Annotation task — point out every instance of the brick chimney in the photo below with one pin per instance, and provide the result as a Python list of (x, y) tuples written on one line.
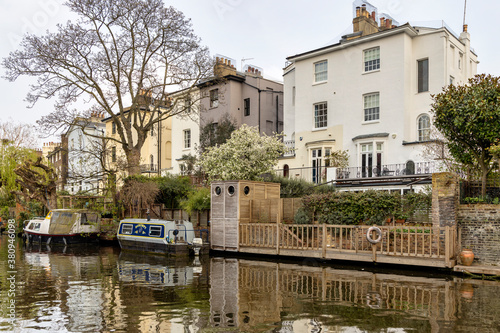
[(223, 67), (364, 22)]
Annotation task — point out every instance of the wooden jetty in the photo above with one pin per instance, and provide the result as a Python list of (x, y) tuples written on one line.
[(241, 211)]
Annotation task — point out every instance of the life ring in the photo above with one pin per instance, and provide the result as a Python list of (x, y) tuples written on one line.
[(369, 235)]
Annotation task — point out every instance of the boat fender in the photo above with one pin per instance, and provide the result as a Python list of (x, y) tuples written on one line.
[(369, 235)]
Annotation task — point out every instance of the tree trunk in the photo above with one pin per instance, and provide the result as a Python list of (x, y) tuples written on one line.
[(484, 179), (134, 161)]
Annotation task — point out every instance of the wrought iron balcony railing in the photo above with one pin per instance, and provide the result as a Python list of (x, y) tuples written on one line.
[(149, 168), (386, 170)]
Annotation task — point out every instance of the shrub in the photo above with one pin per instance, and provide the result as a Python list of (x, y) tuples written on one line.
[(302, 217), (197, 200)]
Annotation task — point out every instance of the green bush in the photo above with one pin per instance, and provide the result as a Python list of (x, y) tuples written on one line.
[(197, 200), (302, 217), (370, 207)]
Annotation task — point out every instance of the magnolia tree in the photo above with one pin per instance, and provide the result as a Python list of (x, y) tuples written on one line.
[(245, 156)]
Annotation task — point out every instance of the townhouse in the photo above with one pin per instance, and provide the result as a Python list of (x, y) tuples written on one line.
[(370, 94)]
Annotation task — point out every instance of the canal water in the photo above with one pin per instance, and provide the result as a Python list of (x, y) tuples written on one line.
[(100, 289)]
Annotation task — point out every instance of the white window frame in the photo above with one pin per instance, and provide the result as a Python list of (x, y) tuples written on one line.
[(321, 71), (187, 138), (371, 107), (157, 230), (320, 115), (371, 59), (424, 133), (127, 232)]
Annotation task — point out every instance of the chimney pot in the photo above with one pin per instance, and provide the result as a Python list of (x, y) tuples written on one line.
[(382, 22), (229, 63), (357, 11), (373, 16)]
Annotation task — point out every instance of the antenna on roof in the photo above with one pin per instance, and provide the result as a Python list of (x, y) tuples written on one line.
[(243, 60)]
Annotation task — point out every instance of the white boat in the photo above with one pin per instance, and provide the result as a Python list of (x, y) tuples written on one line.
[(65, 226), (175, 237)]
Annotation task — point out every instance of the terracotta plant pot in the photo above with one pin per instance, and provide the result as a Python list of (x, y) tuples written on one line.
[(466, 257)]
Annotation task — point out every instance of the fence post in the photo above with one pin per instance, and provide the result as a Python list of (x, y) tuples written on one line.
[(324, 240), (447, 246), (278, 232)]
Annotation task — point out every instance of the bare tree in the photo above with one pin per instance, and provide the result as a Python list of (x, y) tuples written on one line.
[(121, 57), (18, 134)]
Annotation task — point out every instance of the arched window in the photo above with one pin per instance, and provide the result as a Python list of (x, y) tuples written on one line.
[(424, 128), (410, 168), (286, 171)]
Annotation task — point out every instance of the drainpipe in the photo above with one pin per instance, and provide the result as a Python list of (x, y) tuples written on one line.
[(259, 110), (277, 114)]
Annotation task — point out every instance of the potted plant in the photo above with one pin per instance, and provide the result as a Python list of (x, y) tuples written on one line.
[(400, 217)]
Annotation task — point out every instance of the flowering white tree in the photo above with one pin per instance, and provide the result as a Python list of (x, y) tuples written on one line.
[(245, 156)]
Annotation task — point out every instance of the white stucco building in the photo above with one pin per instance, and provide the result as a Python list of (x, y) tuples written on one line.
[(370, 94), (84, 142)]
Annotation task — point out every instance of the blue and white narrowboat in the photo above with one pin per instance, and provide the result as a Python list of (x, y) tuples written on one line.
[(158, 236), (64, 226)]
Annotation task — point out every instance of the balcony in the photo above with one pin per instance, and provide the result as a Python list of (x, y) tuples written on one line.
[(386, 170), (290, 145), (394, 174), (149, 168)]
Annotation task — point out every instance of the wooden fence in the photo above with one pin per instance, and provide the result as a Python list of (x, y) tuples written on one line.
[(424, 246), (270, 210)]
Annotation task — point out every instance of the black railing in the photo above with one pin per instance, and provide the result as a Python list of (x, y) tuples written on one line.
[(386, 170), (470, 192), (290, 145), (145, 168)]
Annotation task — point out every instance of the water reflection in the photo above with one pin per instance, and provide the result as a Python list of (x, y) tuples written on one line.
[(92, 289)]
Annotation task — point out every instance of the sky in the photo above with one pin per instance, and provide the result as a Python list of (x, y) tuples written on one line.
[(264, 32)]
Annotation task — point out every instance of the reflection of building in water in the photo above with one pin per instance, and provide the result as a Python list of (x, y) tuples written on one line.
[(81, 301), (244, 294)]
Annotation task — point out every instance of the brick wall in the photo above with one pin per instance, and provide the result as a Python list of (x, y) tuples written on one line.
[(480, 228)]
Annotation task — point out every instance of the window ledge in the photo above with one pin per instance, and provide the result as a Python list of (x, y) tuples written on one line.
[(369, 72), (370, 122), (319, 129), (319, 83)]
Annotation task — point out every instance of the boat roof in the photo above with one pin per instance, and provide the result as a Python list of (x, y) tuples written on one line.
[(135, 220)]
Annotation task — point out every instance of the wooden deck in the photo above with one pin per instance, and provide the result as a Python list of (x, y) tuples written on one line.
[(404, 245)]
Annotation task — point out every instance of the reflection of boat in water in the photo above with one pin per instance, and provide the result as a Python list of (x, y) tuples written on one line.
[(150, 271), (64, 226), (161, 236)]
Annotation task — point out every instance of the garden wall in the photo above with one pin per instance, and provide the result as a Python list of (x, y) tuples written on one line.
[(480, 229)]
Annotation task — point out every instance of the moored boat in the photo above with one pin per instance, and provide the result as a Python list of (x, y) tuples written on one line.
[(176, 237), (65, 226)]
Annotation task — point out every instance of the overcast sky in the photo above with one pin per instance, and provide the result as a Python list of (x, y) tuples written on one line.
[(266, 30)]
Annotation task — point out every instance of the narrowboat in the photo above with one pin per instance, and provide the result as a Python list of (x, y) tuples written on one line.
[(64, 226), (175, 237)]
